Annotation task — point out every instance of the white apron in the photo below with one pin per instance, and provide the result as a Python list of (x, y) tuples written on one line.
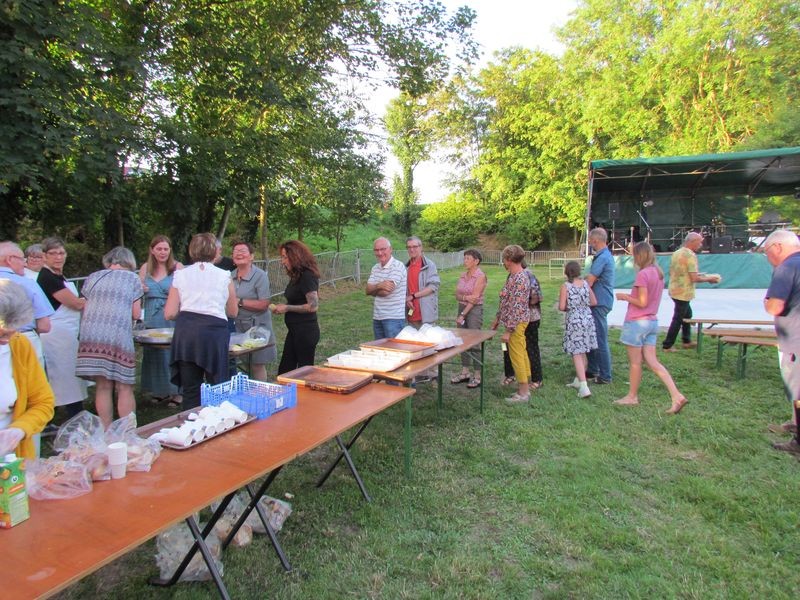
[(61, 353)]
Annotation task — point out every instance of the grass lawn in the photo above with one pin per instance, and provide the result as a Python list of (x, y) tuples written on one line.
[(562, 498)]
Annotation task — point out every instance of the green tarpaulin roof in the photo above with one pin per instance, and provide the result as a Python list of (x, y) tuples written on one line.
[(758, 173)]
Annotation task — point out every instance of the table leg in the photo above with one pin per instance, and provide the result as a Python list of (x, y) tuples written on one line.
[(483, 375), (200, 544), (742, 361), (719, 352), (212, 566), (699, 337), (255, 504), (407, 435), (345, 453), (439, 389), (353, 469)]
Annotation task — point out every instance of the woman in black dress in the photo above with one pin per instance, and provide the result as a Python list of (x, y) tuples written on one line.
[(302, 302)]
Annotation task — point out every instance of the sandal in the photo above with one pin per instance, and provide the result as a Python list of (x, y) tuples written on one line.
[(460, 379), (473, 383), (535, 385), (174, 402), (509, 380), (517, 399)]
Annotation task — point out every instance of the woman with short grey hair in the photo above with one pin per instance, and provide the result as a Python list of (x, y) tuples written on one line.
[(120, 256), (34, 261), (26, 400), (106, 353)]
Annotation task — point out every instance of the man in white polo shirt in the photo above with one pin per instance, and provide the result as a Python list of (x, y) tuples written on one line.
[(387, 284)]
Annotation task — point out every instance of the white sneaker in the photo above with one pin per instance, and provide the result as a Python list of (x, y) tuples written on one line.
[(575, 384), (583, 390)]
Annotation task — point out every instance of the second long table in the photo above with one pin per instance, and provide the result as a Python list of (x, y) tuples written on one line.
[(406, 374)]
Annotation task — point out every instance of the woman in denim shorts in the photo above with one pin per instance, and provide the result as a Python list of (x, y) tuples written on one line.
[(640, 330)]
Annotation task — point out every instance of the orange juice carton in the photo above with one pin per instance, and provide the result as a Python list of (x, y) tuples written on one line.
[(13, 496)]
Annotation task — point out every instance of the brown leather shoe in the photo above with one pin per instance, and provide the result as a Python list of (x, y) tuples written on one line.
[(791, 447)]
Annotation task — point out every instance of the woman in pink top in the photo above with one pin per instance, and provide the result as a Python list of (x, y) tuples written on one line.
[(469, 295), (640, 330)]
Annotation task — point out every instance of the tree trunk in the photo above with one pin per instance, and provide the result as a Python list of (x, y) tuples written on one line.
[(262, 217), (223, 224)]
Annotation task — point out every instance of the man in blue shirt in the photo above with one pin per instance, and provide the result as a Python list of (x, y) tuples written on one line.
[(12, 266), (782, 249), (601, 278)]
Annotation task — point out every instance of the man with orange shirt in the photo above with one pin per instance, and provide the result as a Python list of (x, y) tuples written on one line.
[(422, 277), (422, 292)]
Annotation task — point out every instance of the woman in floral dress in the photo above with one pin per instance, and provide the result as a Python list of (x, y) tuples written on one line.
[(575, 298)]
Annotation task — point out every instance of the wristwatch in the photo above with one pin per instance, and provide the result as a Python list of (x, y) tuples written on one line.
[(240, 303)]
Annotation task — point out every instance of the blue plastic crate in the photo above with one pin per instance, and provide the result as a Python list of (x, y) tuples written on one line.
[(254, 397)]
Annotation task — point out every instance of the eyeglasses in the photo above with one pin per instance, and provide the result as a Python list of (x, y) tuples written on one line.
[(56, 253), (772, 245), (410, 246), (384, 249), (15, 256)]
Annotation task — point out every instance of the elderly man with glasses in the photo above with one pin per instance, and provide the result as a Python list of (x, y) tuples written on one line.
[(387, 284), (782, 248), (12, 267)]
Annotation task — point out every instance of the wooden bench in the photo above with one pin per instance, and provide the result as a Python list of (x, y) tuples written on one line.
[(713, 322), (742, 333), (743, 342)]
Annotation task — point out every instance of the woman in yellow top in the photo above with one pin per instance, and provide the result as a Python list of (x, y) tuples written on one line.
[(26, 400)]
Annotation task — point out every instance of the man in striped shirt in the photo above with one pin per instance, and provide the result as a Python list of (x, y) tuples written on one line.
[(387, 284)]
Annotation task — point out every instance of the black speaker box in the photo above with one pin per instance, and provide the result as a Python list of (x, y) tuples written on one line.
[(722, 244), (613, 211)]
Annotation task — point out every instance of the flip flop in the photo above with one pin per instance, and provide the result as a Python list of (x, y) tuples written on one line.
[(508, 381), (473, 383), (460, 379)]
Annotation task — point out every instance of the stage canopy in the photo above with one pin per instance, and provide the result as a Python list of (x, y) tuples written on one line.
[(673, 194)]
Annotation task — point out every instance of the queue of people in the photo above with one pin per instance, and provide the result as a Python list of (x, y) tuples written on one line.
[(87, 336)]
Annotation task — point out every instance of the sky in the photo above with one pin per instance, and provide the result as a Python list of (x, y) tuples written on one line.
[(499, 24)]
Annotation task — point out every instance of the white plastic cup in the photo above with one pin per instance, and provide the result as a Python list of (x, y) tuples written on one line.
[(117, 454), (118, 471)]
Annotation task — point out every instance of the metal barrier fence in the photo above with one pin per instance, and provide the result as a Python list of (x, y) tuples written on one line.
[(540, 258), (355, 265)]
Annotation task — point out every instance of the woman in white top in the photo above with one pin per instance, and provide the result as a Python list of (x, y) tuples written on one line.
[(200, 301)]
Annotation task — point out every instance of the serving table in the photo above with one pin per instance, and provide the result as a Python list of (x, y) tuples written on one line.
[(66, 540), (405, 375)]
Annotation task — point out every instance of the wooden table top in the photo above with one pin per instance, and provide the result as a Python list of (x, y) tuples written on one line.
[(730, 321), (65, 540), (406, 373)]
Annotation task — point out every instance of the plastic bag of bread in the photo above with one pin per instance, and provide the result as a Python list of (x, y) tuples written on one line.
[(84, 429), (224, 526), (56, 479), (277, 512), (82, 440), (229, 518), (142, 453), (172, 546)]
